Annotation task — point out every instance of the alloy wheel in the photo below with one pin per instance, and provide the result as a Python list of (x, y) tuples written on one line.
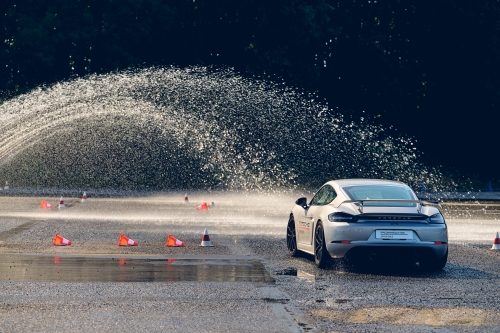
[(291, 237), (321, 256)]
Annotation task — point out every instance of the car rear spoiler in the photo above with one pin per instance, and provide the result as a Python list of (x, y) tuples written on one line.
[(420, 202)]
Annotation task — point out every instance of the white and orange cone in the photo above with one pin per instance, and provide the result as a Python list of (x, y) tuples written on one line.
[(61, 203), (6, 187), (60, 241), (186, 199), (84, 197), (203, 206), (205, 239), (125, 241), (496, 243), (45, 204), (173, 242)]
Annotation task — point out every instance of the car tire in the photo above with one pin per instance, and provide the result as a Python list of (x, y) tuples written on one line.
[(437, 264), (291, 238), (440, 263), (321, 255)]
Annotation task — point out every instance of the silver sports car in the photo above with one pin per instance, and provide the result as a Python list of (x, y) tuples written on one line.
[(368, 221)]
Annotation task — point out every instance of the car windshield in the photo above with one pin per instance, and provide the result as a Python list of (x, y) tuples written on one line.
[(384, 192)]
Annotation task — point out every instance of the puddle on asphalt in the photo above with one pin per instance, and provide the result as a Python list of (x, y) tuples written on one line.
[(288, 271), (34, 268)]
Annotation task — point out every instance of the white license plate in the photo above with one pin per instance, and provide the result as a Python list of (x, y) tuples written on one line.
[(394, 234)]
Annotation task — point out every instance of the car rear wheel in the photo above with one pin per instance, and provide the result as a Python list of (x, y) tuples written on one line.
[(291, 237), (438, 264), (321, 255)]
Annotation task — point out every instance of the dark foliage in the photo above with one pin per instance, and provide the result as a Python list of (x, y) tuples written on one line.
[(431, 68)]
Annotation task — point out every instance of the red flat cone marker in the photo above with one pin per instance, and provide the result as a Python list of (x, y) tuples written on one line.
[(173, 242), (45, 204), (84, 197), (203, 206), (496, 243), (125, 241), (61, 203), (186, 199), (205, 239), (60, 241)]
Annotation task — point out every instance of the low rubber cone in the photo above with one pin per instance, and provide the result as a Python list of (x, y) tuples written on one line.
[(45, 204), (60, 241), (6, 187), (205, 239), (125, 241), (173, 242), (84, 197), (186, 199), (61, 203), (496, 243), (203, 206)]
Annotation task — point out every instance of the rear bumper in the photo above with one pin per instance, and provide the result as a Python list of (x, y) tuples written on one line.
[(344, 238), (386, 249)]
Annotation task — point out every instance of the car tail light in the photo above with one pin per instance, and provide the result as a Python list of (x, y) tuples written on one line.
[(436, 219), (440, 243), (342, 217)]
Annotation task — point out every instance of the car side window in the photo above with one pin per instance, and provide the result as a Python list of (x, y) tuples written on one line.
[(330, 195), (325, 195), (317, 197)]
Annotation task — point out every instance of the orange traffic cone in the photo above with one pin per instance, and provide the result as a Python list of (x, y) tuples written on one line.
[(172, 241), (84, 197), (203, 206), (61, 203), (6, 187), (45, 204), (60, 241), (125, 241), (496, 243), (186, 199), (205, 239)]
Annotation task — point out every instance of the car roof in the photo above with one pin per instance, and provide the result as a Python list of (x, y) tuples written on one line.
[(361, 181)]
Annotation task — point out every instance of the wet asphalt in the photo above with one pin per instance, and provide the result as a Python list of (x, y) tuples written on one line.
[(246, 282)]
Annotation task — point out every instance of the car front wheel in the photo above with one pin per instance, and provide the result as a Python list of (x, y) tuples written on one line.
[(291, 237), (321, 255)]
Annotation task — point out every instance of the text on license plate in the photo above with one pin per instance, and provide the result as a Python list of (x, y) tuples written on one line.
[(394, 234)]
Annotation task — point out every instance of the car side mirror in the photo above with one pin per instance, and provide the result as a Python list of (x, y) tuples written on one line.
[(301, 202)]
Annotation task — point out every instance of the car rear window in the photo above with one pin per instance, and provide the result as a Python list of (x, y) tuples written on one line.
[(384, 192)]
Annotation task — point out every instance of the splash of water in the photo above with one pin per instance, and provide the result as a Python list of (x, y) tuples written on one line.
[(170, 128)]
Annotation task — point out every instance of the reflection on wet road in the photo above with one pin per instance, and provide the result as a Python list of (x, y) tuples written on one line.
[(35, 268)]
